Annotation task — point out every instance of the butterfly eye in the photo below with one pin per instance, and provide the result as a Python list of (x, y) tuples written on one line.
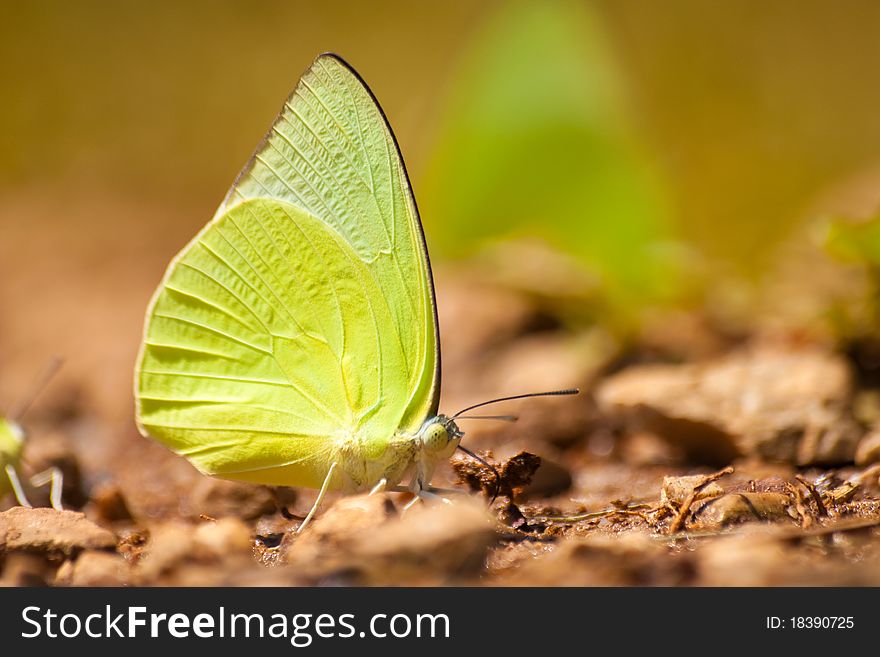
[(437, 438)]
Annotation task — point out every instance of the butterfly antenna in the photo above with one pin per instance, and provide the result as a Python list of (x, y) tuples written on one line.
[(551, 393), (502, 418), (488, 465), (49, 370)]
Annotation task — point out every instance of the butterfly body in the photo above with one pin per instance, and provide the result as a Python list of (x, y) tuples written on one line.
[(360, 469)]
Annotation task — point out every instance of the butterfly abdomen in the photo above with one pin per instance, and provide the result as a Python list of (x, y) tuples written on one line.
[(362, 468)]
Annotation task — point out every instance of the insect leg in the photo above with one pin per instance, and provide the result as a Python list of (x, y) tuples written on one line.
[(319, 499), (16, 486), (446, 491), (54, 476), (426, 494), (410, 504), (380, 487)]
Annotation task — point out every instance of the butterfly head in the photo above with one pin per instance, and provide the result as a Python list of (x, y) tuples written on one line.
[(440, 436)]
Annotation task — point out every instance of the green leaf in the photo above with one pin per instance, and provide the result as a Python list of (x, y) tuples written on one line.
[(536, 140)]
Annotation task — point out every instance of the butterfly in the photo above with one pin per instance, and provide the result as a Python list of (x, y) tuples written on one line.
[(294, 341)]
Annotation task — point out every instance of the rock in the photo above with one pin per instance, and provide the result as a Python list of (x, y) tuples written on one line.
[(48, 530), (868, 450), (361, 540), (429, 544), (735, 508), (170, 543), (773, 402), (632, 558), (94, 568), (219, 498), (751, 559), (217, 540), (763, 556), (108, 503), (677, 489), (176, 547), (26, 569), (340, 525)]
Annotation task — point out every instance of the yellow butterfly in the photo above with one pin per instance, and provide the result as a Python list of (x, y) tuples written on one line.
[(294, 340)]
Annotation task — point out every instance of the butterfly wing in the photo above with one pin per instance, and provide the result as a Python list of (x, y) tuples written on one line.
[(302, 317)]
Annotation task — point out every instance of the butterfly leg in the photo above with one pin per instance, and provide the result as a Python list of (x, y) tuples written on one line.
[(446, 491), (55, 478), (379, 487), (427, 494), (319, 499), (410, 504), (17, 489), (414, 489)]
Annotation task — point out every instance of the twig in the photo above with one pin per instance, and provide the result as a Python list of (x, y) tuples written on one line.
[(814, 494), (800, 508), (685, 508), (629, 509)]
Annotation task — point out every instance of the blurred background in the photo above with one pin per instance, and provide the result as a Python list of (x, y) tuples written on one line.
[(620, 163)]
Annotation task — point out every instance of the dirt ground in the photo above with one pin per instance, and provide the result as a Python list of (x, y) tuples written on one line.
[(692, 456)]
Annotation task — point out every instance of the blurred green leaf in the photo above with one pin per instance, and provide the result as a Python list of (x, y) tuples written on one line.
[(854, 242), (537, 141), (854, 312)]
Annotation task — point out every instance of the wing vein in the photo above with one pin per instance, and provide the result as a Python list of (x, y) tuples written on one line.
[(207, 302), (211, 329)]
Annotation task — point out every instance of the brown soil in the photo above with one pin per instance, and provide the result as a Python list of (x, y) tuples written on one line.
[(689, 458)]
